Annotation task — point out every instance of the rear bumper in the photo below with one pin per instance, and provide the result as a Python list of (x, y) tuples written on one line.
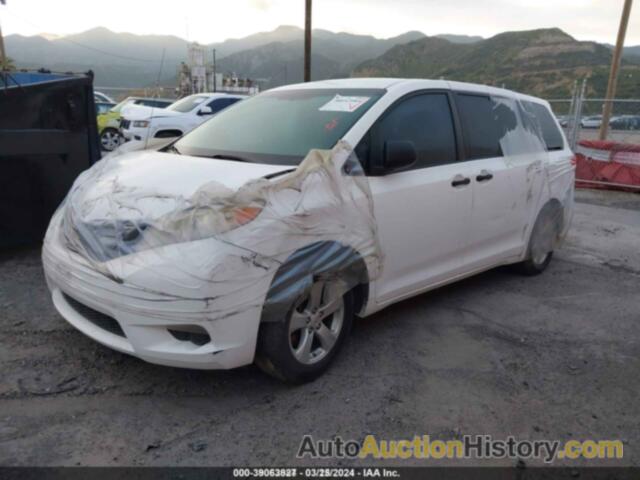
[(144, 316)]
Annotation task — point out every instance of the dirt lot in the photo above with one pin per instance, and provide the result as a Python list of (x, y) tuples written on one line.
[(555, 356)]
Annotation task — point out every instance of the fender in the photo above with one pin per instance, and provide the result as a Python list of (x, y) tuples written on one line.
[(330, 260)]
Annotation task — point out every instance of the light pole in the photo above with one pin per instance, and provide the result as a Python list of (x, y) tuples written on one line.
[(214, 70)]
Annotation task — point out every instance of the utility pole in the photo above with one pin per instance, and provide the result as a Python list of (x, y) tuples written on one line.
[(307, 41), (615, 68), (214, 71), (164, 50), (3, 53)]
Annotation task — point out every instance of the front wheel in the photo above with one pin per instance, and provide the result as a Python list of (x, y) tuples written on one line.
[(303, 346), (110, 139)]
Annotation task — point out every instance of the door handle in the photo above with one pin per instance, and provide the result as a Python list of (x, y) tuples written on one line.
[(484, 176), (459, 181)]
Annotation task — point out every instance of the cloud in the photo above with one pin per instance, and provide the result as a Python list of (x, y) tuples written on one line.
[(261, 4)]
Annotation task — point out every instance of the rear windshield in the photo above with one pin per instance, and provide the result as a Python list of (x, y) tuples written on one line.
[(280, 127), (153, 102)]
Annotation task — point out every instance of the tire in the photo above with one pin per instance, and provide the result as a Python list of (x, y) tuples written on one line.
[(280, 350), (110, 139), (542, 241)]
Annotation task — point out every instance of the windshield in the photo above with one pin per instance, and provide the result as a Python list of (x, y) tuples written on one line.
[(187, 104), (280, 127)]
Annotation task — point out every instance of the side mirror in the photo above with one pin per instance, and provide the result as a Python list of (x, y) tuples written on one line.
[(398, 155), (205, 111)]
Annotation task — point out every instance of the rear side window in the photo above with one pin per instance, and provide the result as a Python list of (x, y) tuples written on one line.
[(483, 125), (424, 120), (550, 132)]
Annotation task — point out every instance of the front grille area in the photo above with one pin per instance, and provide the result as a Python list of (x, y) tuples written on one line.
[(100, 320)]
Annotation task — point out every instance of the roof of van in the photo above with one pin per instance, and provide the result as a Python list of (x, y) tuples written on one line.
[(392, 83)]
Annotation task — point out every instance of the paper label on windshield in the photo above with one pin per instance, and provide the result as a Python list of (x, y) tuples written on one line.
[(341, 103)]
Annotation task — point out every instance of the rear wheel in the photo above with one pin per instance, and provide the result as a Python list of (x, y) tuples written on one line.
[(542, 241), (304, 345), (110, 139)]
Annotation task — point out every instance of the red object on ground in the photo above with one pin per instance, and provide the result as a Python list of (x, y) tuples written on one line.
[(613, 165)]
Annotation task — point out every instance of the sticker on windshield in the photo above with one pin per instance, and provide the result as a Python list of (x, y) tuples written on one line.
[(341, 103)]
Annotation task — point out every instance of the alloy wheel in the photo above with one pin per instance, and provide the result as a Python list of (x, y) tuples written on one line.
[(316, 322), (109, 140)]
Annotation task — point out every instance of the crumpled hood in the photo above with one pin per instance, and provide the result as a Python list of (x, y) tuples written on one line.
[(149, 184), (143, 200)]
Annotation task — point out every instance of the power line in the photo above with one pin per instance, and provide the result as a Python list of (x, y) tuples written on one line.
[(82, 45)]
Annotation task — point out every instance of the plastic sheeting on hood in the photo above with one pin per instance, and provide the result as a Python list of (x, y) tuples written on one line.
[(293, 226)]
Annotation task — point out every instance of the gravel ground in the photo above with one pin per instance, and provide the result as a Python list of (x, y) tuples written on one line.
[(554, 357)]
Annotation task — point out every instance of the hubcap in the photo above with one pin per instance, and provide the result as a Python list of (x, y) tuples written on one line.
[(316, 322), (110, 140)]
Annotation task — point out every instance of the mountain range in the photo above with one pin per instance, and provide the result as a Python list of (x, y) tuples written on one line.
[(127, 60), (543, 61)]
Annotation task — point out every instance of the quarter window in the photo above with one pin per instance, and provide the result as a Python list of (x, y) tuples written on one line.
[(424, 120), (550, 133)]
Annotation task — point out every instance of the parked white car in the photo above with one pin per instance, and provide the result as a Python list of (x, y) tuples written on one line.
[(148, 124), (594, 121), (259, 235)]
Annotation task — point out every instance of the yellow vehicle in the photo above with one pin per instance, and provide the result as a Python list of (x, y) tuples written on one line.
[(109, 118)]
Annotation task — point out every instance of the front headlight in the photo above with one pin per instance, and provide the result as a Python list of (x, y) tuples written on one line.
[(104, 240), (141, 123), (202, 222), (242, 215)]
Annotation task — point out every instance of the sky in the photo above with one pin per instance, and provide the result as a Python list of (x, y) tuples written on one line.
[(208, 21)]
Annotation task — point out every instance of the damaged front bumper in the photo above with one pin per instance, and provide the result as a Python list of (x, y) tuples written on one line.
[(134, 313)]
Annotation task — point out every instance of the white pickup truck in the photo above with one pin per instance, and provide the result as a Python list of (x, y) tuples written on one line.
[(147, 126)]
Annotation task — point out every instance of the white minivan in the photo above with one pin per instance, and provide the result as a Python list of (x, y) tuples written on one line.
[(259, 235)]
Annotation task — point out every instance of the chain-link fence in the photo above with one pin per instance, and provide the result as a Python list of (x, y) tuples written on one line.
[(604, 159), (120, 93), (581, 118)]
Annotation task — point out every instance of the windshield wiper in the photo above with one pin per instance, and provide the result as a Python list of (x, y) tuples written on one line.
[(172, 149), (280, 173), (231, 157)]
